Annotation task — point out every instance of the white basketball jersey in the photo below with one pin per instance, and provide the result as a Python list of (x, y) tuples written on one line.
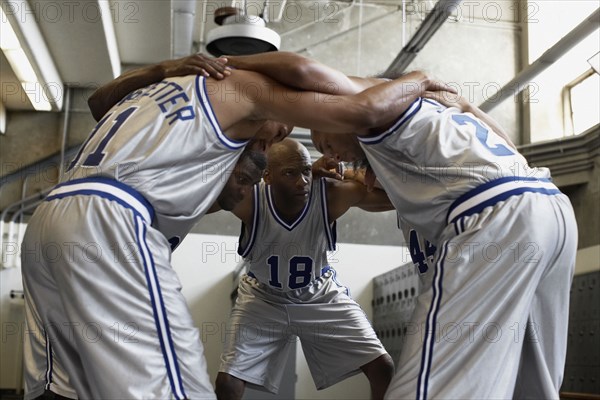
[(421, 250), (288, 256), (165, 142), (432, 155)]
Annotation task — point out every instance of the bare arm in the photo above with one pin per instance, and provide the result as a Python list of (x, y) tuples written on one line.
[(109, 94), (303, 73), (299, 72), (374, 107), (243, 210), (349, 193), (455, 100)]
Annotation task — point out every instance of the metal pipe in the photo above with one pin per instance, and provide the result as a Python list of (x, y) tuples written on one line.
[(182, 27), (36, 167), (65, 129), (430, 25), (23, 192), (550, 56)]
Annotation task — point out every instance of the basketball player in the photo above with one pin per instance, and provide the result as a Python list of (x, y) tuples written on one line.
[(104, 311), (495, 311), (494, 315), (290, 290)]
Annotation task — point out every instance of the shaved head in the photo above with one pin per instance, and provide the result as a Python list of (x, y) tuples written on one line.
[(283, 152)]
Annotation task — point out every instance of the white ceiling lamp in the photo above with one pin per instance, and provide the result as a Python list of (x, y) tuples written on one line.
[(25, 49), (240, 34)]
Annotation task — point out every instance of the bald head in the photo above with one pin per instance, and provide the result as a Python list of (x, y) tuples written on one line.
[(285, 152)]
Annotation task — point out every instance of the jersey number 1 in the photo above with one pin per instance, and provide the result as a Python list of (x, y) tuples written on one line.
[(295, 272), (95, 158)]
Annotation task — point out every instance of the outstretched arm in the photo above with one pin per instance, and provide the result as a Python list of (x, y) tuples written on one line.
[(349, 193), (109, 94), (243, 210), (303, 73), (250, 96), (374, 107)]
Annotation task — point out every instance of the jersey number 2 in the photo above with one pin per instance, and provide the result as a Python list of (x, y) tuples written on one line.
[(482, 134), (295, 272)]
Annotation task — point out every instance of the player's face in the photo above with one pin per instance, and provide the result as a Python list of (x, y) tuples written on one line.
[(291, 181), (245, 175), (339, 147)]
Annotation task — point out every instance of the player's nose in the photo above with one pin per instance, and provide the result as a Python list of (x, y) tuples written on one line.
[(302, 181)]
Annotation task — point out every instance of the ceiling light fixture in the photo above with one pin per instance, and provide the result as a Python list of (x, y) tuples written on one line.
[(240, 34), (23, 45)]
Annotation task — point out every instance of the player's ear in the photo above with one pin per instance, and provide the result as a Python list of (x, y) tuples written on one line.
[(267, 176)]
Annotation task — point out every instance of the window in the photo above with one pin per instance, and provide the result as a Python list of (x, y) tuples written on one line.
[(562, 98), (584, 101)]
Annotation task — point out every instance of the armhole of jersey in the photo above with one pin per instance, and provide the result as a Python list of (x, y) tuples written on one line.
[(204, 101), (244, 251), (330, 230), (406, 115)]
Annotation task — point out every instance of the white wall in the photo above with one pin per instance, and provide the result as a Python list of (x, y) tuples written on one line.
[(356, 266), (205, 264), (11, 328), (11, 311)]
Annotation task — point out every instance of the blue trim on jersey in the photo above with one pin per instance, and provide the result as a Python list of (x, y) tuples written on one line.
[(49, 362), (232, 144), (522, 185), (280, 220), (328, 268), (325, 212), (334, 234), (404, 117), (244, 251), (85, 143), (433, 102), (430, 324), (169, 355), (105, 194)]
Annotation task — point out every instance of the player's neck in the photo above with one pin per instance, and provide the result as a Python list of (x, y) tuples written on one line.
[(289, 210)]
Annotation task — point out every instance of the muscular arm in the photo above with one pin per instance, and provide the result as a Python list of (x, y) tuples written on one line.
[(109, 94), (259, 97), (243, 210), (303, 73), (341, 195)]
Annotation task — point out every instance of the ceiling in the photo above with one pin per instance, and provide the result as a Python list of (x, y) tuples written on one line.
[(78, 34)]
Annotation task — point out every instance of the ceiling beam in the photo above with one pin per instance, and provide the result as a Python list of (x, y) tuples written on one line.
[(29, 56), (550, 56), (434, 20)]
